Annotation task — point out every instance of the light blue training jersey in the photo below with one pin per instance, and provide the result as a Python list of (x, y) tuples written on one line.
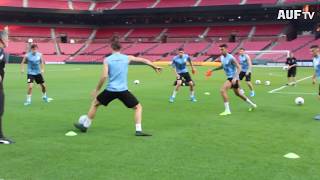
[(180, 63), (244, 62), (34, 61), (228, 66), (316, 65), (118, 72)]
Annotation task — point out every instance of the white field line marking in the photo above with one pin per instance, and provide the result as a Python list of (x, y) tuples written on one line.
[(295, 93), (282, 87)]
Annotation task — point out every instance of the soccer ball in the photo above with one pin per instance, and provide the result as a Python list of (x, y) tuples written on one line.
[(267, 83), (136, 82), (242, 91), (258, 82), (82, 119), (299, 101), (285, 68)]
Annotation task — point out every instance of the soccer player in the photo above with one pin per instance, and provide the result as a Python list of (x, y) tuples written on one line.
[(246, 69), (3, 44), (115, 69), (35, 73), (316, 64), (179, 64), (292, 69), (232, 69)]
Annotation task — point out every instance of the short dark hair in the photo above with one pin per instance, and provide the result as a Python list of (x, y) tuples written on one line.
[(115, 43), (33, 46), (314, 47), (242, 49), (180, 49), (223, 46)]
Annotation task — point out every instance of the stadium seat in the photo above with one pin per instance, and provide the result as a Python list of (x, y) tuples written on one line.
[(52, 4), (11, 3), (135, 4)]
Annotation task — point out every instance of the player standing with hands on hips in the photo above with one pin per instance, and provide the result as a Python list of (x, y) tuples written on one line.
[(3, 44), (179, 64)]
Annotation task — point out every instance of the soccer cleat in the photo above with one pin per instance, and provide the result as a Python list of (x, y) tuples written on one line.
[(253, 108), (252, 94), (6, 141), (140, 133), (80, 127), (225, 113), (46, 99), (27, 103), (193, 99), (171, 99)]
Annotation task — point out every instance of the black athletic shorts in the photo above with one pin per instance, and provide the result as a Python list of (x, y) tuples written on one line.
[(244, 74), (234, 86), (128, 99), (292, 72), (185, 76), (38, 78)]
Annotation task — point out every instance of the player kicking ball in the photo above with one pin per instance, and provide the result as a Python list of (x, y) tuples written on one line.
[(232, 69), (35, 73), (246, 69), (115, 69), (179, 64)]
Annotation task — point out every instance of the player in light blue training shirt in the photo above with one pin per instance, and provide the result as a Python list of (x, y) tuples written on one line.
[(246, 69), (35, 69), (316, 64), (179, 64), (115, 73), (231, 68)]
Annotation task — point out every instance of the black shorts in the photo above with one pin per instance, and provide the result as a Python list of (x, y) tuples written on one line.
[(292, 72), (38, 78), (244, 74), (185, 76), (234, 86), (128, 99)]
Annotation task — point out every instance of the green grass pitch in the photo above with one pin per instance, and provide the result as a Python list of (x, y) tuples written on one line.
[(190, 140)]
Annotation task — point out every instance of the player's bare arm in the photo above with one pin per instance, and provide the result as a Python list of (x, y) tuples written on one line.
[(102, 80), (236, 76), (22, 64), (250, 65), (145, 61), (42, 65)]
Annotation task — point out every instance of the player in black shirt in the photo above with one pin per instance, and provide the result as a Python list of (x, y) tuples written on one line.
[(292, 69), (3, 44)]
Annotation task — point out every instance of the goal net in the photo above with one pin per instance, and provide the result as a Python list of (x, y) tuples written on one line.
[(269, 57)]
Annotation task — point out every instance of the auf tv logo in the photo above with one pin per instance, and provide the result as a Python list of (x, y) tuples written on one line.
[(295, 14)]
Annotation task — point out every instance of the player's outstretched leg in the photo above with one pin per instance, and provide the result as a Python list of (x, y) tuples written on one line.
[(175, 91), (86, 120), (29, 94), (224, 94), (192, 96), (138, 121), (243, 97)]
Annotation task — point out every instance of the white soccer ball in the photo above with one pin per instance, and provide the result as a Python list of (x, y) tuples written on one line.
[(258, 82), (285, 68), (299, 101), (136, 82), (82, 119), (242, 91), (267, 83)]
